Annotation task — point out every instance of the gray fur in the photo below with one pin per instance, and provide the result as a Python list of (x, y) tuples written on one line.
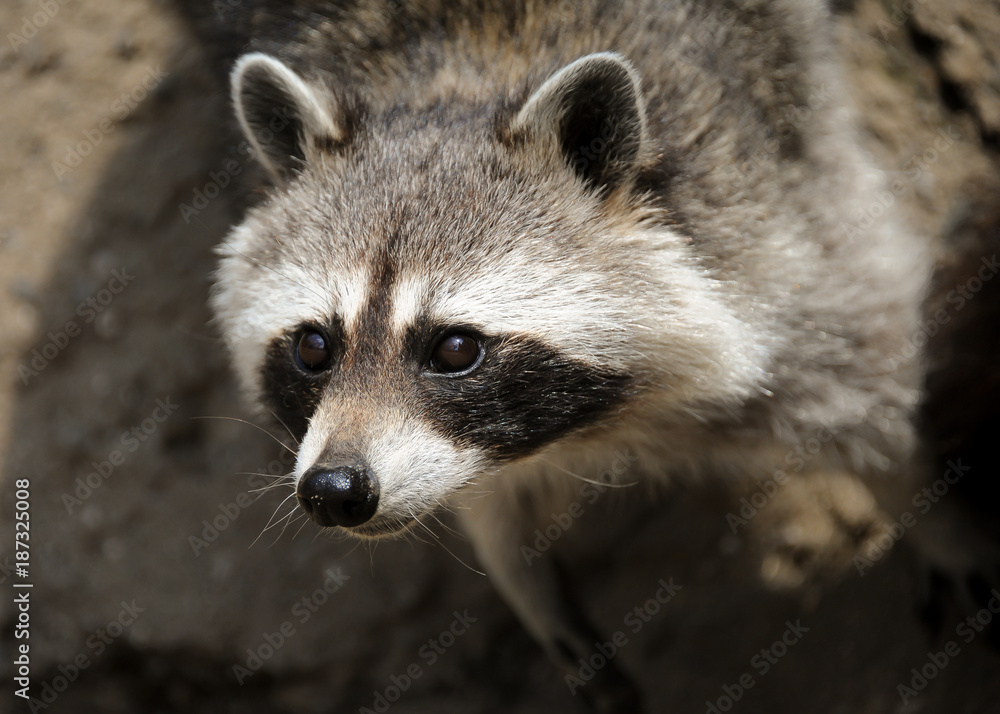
[(720, 265)]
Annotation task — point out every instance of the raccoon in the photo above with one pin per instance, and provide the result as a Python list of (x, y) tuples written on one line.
[(506, 239)]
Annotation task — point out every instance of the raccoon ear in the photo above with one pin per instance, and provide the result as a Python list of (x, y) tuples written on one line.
[(285, 120), (593, 109)]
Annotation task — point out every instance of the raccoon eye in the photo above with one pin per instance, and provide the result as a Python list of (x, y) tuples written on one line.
[(455, 353), (313, 351)]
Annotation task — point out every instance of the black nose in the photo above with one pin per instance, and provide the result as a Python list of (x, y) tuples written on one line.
[(338, 497)]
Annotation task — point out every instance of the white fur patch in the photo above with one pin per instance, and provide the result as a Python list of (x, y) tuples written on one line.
[(416, 468), (257, 302), (352, 292), (309, 450), (677, 328), (408, 302), (521, 295)]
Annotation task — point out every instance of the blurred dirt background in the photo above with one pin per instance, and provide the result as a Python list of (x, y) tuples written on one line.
[(151, 586)]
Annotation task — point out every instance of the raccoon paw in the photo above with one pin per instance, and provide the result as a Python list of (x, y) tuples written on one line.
[(813, 528)]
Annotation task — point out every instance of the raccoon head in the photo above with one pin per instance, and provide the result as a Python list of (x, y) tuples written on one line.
[(433, 291)]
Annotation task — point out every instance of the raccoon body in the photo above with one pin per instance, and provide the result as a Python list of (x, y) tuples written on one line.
[(506, 239)]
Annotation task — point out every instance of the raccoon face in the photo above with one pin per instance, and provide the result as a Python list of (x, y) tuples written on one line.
[(430, 295)]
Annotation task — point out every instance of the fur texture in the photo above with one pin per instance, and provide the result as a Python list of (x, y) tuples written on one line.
[(653, 217)]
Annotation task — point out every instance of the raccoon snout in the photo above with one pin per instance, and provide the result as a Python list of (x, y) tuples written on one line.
[(342, 496)]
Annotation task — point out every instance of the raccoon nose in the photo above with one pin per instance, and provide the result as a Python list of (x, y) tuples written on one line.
[(342, 496)]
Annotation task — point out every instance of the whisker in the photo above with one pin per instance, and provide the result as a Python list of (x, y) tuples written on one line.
[(449, 529), (415, 536), (357, 544), (280, 481), (285, 518), (428, 529), (305, 521), (369, 546), (280, 421), (255, 426), (258, 473), (446, 548), (271, 487), (587, 480), (271, 522), (288, 520)]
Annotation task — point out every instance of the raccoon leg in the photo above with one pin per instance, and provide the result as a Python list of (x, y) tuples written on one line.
[(537, 592)]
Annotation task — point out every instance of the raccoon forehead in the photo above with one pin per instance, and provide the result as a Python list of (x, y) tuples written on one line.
[(572, 289), (583, 313), (259, 295)]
